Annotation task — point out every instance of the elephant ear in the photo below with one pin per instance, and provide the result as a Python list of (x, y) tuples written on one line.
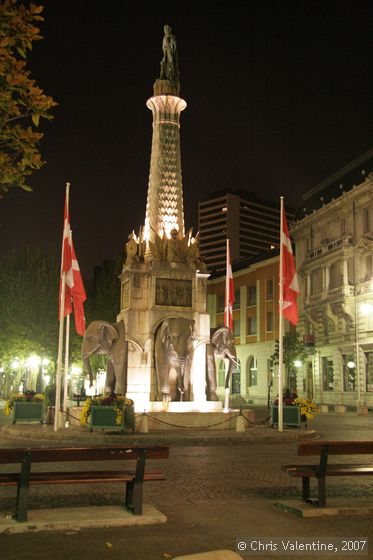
[(165, 330), (108, 335)]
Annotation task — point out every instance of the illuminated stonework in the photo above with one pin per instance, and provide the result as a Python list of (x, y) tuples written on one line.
[(164, 209)]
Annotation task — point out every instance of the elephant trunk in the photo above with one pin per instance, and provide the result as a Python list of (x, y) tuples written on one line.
[(87, 366)]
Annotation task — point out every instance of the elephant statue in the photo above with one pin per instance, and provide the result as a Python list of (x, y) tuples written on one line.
[(107, 338), (222, 345), (174, 349)]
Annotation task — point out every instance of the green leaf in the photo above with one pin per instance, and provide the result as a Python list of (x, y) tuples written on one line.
[(26, 188), (35, 118)]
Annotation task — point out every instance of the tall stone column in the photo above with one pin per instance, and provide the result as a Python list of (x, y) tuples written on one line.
[(164, 209)]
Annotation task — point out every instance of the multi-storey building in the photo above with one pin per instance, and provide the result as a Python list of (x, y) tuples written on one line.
[(333, 236), (255, 317), (252, 225)]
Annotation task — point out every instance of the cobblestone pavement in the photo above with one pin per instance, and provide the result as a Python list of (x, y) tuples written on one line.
[(212, 494)]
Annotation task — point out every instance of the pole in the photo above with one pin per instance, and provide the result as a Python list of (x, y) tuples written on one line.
[(59, 355), (281, 322), (67, 341), (57, 403)]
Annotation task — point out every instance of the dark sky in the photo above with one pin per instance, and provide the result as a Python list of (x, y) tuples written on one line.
[(279, 97)]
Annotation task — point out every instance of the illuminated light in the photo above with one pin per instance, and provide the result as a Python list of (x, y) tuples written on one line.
[(297, 363), (47, 379), (351, 365), (2, 370), (15, 363), (76, 370), (33, 361), (224, 209), (45, 361), (366, 308)]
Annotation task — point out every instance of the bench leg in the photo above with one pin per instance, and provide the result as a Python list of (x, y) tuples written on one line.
[(133, 497), (306, 488), (322, 491), (23, 489)]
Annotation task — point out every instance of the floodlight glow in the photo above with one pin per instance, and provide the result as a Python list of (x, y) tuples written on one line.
[(297, 363)]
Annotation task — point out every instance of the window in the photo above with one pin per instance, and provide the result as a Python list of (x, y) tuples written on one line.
[(237, 297), (221, 303), (369, 370), (366, 220), (269, 325), (316, 281), (237, 327), (335, 278), (251, 325), (269, 289), (349, 372), (327, 374), (221, 373), (253, 371), (368, 268), (236, 379), (251, 295)]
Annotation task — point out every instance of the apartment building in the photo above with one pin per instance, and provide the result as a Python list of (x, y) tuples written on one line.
[(333, 235)]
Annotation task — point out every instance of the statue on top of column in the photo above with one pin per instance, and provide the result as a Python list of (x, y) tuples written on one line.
[(169, 63)]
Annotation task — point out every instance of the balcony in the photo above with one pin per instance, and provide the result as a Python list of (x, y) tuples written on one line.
[(331, 294), (327, 247)]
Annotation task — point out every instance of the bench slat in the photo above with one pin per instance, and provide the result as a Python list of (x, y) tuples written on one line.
[(78, 477), (336, 447), (99, 453)]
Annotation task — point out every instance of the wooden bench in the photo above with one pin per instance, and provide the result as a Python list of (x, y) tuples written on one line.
[(324, 469), (133, 478)]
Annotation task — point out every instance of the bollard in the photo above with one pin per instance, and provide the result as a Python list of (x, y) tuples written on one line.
[(240, 423), (144, 426)]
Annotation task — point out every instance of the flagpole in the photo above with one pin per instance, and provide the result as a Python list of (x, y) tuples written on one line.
[(57, 403), (281, 322), (226, 322), (67, 342)]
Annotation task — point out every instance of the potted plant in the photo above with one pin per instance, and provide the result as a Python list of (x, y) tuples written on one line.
[(296, 410), (108, 411), (26, 407)]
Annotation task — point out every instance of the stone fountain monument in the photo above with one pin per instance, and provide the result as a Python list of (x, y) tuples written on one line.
[(163, 282)]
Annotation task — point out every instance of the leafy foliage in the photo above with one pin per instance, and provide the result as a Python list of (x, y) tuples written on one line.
[(29, 281), (21, 99), (293, 349)]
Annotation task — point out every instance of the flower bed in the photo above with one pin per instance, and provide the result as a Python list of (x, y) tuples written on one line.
[(27, 407), (108, 411)]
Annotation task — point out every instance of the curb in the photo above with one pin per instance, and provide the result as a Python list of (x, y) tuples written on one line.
[(253, 435)]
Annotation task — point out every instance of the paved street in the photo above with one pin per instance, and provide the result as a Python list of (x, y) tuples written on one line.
[(212, 495)]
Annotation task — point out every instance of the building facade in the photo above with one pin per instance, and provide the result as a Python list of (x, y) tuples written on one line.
[(251, 225), (334, 253), (255, 317)]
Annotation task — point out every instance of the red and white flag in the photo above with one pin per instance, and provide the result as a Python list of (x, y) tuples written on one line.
[(74, 288), (290, 284), (229, 293)]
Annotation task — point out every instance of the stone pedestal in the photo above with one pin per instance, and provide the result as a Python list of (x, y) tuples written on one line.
[(340, 409)]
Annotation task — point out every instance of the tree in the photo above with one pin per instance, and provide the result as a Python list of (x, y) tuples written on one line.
[(21, 100), (29, 280), (293, 350)]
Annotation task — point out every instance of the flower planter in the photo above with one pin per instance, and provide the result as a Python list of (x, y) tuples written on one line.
[(291, 416), (104, 417), (28, 411)]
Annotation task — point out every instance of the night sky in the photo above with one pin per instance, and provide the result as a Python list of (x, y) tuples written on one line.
[(279, 97)]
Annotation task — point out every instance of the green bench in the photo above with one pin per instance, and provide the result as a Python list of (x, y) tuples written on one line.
[(132, 477)]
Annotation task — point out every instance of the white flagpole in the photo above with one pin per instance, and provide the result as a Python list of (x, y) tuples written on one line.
[(226, 319), (281, 323), (67, 342), (57, 403)]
